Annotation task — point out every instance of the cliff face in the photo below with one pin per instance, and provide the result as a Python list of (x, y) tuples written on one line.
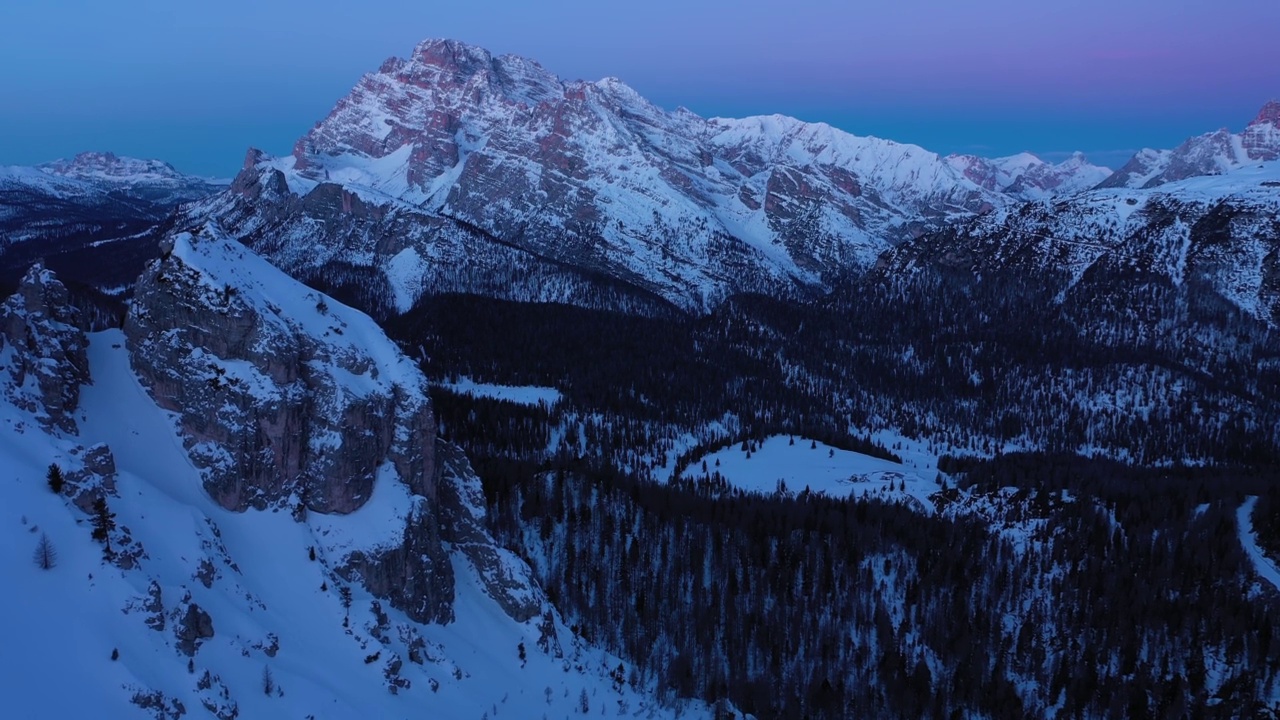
[(42, 347), (285, 398), (281, 396), (367, 576)]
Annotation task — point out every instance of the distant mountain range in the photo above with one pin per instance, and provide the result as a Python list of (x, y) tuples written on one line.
[(56, 210), (448, 169), (455, 169)]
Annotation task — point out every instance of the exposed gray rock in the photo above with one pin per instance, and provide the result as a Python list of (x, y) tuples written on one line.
[(416, 576), (273, 406), (154, 607), (206, 573), (506, 577), (159, 705), (94, 479), (195, 627), (286, 397), (42, 346)]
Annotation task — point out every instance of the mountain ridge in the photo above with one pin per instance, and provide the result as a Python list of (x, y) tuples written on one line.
[(591, 175)]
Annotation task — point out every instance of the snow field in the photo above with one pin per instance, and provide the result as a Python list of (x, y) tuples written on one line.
[(61, 625), (825, 469)]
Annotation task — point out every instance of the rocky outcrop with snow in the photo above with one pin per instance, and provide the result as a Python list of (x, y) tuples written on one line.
[(282, 394), (505, 577), (1213, 153), (1219, 233), (263, 595), (42, 350)]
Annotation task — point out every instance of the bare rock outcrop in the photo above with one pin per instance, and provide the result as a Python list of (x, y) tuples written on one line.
[(416, 575), (42, 350), (284, 396), (505, 577), (95, 478), (195, 627)]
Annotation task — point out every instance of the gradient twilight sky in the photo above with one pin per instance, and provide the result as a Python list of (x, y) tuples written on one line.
[(196, 83)]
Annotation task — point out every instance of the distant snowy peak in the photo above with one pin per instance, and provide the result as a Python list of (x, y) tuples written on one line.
[(97, 176), (1027, 177), (110, 167), (1214, 153)]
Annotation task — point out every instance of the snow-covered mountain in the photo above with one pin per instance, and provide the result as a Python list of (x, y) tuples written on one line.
[(153, 181), (1214, 232), (1027, 177), (148, 186), (1214, 153), (238, 503), (58, 211), (455, 152)]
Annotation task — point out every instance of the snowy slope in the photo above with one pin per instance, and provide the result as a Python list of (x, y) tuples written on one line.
[(200, 602)]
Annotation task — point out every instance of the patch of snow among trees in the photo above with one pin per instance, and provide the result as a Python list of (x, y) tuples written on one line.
[(796, 464), (519, 394)]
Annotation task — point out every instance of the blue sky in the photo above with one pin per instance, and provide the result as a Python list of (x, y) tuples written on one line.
[(198, 83)]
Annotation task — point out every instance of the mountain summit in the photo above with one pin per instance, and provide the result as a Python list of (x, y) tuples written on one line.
[(461, 150)]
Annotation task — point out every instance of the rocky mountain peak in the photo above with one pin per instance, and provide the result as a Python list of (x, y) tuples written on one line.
[(590, 174), (108, 166), (453, 54), (1268, 115), (1213, 153), (449, 73)]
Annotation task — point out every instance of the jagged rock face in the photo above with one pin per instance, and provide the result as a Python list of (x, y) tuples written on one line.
[(1261, 140), (454, 142), (416, 576), (275, 400), (42, 348), (506, 578), (1210, 154)]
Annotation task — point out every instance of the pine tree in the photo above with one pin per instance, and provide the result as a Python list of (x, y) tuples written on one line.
[(104, 522), (344, 593), (268, 682), (45, 556), (55, 478)]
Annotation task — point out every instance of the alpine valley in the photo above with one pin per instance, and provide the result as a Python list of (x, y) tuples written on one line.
[(506, 395)]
